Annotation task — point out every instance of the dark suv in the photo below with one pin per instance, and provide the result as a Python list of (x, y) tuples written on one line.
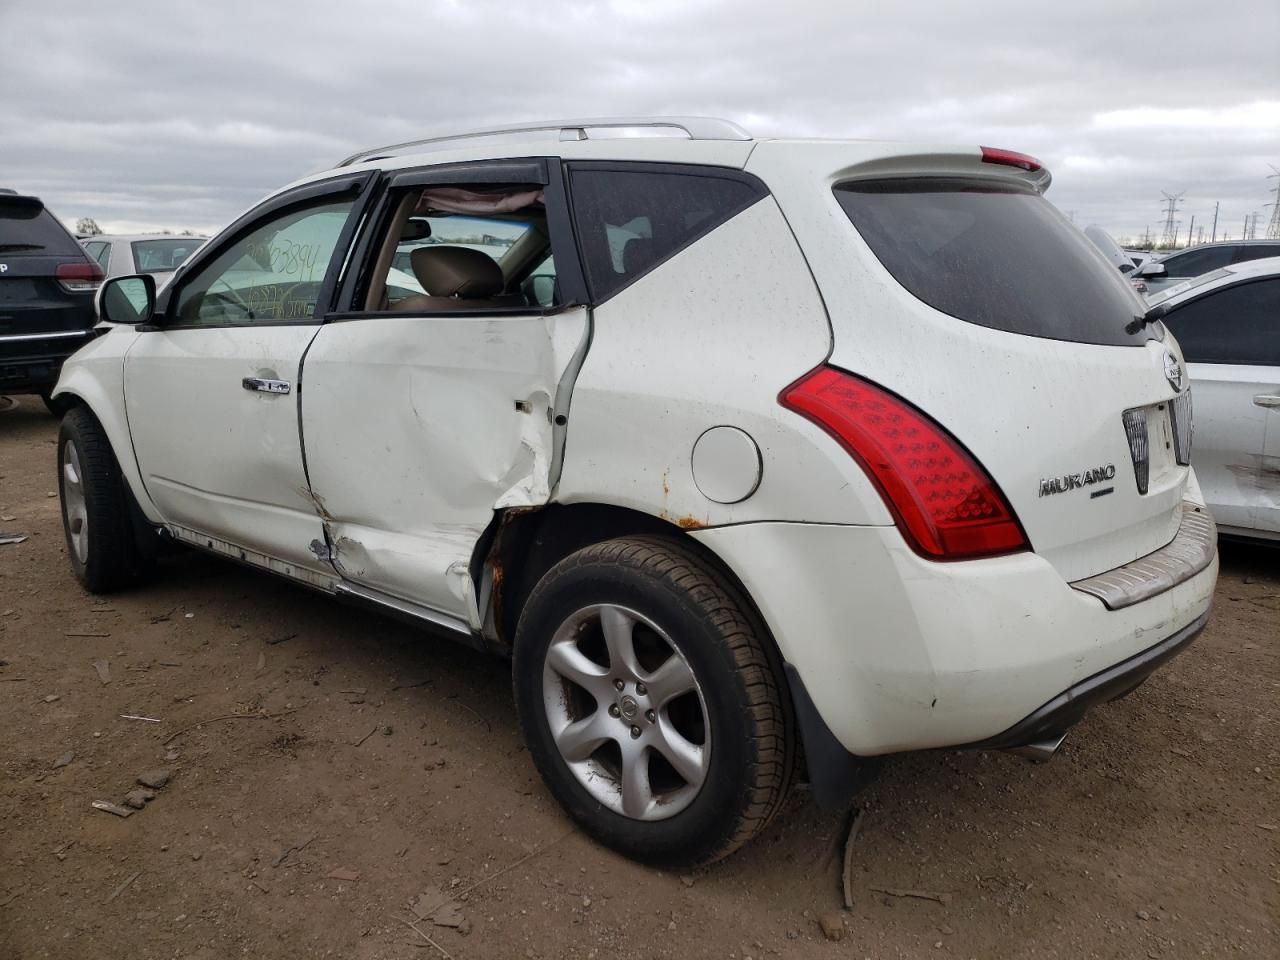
[(47, 283)]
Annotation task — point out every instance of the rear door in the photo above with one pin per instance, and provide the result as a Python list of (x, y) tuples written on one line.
[(212, 392), (1230, 337), (420, 422)]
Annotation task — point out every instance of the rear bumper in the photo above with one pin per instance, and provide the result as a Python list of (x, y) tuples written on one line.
[(30, 364), (899, 653)]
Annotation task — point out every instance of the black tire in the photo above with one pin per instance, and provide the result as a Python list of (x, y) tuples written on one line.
[(108, 558), (752, 752), (58, 406)]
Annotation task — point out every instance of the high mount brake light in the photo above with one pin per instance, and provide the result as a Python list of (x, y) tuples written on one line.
[(945, 504), (79, 277), (1011, 158)]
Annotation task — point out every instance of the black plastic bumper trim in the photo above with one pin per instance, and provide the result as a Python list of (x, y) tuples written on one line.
[(1068, 707)]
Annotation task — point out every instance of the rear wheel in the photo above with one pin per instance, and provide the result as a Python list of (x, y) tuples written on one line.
[(652, 703), (96, 507)]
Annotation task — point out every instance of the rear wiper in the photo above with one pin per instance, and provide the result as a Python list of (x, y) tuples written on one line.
[(21, 246), (1151, 316)]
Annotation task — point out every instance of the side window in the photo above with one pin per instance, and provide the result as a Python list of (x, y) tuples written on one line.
[(630, 220), (1195, 262), (1240, 324), (1256, 251), (100, 251), (271, 274), (450, 249)]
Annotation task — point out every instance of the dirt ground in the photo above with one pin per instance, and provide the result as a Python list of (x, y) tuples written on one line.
[(370, 751)]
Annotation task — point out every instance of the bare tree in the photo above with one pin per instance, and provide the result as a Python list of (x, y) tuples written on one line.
[(88, 227)]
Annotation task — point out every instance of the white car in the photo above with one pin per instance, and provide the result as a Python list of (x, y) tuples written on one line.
[(733, 445), (1173, 268), (1228, 323), (156, 254)]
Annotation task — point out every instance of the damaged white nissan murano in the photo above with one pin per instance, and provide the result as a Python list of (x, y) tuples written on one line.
[(743, 450)]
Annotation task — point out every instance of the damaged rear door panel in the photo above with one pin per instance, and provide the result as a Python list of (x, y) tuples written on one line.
[(418, 428), (426, 410)]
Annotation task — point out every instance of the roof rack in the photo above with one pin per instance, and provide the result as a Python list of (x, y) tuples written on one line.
[(695, 128)]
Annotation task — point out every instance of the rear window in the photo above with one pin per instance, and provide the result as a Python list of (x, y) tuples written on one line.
[(28, 229), (162, 256), (997, 255)]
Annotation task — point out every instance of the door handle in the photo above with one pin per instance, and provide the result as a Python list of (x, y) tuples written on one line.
[(265, 386), (1267, 400)]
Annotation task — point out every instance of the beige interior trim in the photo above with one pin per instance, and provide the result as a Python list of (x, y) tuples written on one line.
[(376, 298)]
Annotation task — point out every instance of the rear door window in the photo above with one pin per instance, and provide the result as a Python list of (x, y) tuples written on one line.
[(995, 254), (1195, 262), (1257, 251), (28, 229), (1238, 324), (631, 217)]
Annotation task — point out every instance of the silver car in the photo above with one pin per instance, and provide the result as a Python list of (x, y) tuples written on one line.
[(122, 255)]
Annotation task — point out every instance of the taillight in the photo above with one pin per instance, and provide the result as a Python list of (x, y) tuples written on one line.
[(79, 277), (945, 504), (1010, 158)]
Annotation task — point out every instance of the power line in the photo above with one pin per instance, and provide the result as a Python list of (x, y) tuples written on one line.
[(1273, 227)]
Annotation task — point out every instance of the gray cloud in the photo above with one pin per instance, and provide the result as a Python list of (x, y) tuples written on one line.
[(183, 114)]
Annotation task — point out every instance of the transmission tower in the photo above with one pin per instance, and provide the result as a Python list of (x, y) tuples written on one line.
[(1273, 228), (1171, 201)]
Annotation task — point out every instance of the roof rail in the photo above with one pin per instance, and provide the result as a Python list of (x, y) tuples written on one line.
[(695, 128)]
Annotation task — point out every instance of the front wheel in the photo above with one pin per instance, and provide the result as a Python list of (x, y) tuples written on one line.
[(651, 702), (96, 509)]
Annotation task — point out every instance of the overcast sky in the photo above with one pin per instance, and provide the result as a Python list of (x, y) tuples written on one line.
[(147, 115)]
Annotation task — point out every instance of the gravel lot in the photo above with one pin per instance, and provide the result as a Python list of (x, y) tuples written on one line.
[(387, 763)]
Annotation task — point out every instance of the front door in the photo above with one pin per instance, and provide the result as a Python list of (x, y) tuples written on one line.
[(212, 394), (442, 397)]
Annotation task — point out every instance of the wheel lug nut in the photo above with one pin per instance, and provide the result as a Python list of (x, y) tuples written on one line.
[(641, 689), (650, 716), (613, 710), (618, 684), (635, 733)]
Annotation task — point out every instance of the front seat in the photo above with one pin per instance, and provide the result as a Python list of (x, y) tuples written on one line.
[(455, 278)]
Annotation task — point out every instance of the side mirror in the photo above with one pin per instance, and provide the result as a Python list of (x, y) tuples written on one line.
[(1150, 269), (128, 300)]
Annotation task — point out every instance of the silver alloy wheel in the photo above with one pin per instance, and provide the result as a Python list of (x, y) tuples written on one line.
[(635, 732), (73, 504)]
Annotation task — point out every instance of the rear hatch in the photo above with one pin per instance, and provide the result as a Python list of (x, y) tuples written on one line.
[(46, 279), (953, 283)]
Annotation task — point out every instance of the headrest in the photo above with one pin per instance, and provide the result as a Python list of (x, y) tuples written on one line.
[(456, 271), (637, 253)]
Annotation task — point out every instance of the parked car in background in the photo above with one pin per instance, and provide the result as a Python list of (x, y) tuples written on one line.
[(896, 470), (1108, 247), (159, 255), (1139, 257), (1228, 324), (1204, 258), (47, 284)]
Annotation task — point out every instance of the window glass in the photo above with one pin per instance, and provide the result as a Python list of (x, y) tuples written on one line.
[(997, 255), (1198, 261), (1238, 324), (1256, 251), (273, 273), (492, 237), (630, 221), (28, 229), (100, 250), (162, 256)]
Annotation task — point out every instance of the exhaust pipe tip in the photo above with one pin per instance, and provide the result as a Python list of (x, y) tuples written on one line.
[(1040, 751)]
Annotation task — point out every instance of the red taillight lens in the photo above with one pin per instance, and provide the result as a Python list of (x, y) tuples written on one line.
[(945, 504), (79, 277), (1010, 159)]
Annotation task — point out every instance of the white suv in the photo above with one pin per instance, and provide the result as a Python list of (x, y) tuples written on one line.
[(743, 450)]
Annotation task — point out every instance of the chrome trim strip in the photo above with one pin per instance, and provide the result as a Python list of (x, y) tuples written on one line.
[(1189, 552), (56, 335), (415, 610)]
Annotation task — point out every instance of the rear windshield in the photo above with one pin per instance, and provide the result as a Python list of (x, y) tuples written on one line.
[(162, 256), (993, 254), (28, 229)]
